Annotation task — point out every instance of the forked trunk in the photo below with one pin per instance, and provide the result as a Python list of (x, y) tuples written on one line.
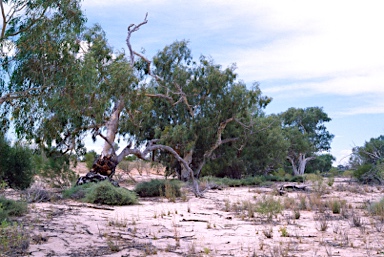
[(299, 163)]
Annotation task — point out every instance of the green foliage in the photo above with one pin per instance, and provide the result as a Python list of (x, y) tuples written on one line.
[(15, 165), (269, 207), (101, 193), (54, 168), (77, 192), (322, 163), (43, 34), (105, 193), (89, 159), (306, 133), (368, 162), (157, 187), (10, 207)]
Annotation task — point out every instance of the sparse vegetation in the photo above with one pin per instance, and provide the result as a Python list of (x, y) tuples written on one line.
[(269, 207), (14, 239)]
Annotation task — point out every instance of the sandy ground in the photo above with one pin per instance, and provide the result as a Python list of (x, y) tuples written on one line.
[(216, 225)]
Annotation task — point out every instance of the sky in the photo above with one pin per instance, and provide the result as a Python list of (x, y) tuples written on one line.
[(328, 54)]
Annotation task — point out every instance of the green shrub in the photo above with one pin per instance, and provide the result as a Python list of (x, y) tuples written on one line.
[(361, 170), (77, 192), (156, 187), (101, 193), (54, 168), (336, 206), (15, 165), (106, 193), (10, 207)]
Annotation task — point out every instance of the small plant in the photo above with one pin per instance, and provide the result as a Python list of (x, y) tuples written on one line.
[(113, 246), (322, 223), (335, 206), (331, 181), (356, 220), (227, 204), (118, 222), (296, 214), (268, 232), (283, 231), (303, 202)]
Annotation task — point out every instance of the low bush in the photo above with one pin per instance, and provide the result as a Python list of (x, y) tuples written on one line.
[(54, 168), (101, 193), (10, 207), (158, 187), (106, 193), (16, 167)]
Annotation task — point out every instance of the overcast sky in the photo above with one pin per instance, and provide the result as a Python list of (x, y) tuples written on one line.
[(303, 53)]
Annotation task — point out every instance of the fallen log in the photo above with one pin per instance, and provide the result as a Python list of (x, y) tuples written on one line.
[(284, 188)]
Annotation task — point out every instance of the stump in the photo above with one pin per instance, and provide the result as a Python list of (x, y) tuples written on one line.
[(102, 169)]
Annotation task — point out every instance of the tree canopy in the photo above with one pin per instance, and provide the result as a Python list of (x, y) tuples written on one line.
[(306, 132), (63, 82)]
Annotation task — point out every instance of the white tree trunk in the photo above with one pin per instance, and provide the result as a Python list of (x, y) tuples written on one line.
[(299, 164), (112, 127)]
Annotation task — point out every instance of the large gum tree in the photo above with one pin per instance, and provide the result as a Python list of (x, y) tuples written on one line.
[(307, 135), (168, 108)]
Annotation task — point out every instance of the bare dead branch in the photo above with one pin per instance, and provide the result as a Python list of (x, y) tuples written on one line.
[(133, 28)]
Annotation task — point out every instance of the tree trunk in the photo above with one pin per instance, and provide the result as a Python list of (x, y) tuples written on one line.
[(299, 164)]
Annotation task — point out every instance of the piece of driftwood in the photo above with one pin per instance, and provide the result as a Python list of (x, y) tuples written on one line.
[(285, 188), (95, 178)]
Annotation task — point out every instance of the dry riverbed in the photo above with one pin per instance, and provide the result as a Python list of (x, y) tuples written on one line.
[(223, 223)]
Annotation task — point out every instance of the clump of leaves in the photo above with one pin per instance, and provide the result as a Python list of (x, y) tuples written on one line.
[(269, 207), (102, 193), (157, 187)]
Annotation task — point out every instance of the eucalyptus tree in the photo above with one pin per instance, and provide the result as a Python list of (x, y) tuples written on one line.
[(368, 161), (307, 135), (171, 104), (36, 42)]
